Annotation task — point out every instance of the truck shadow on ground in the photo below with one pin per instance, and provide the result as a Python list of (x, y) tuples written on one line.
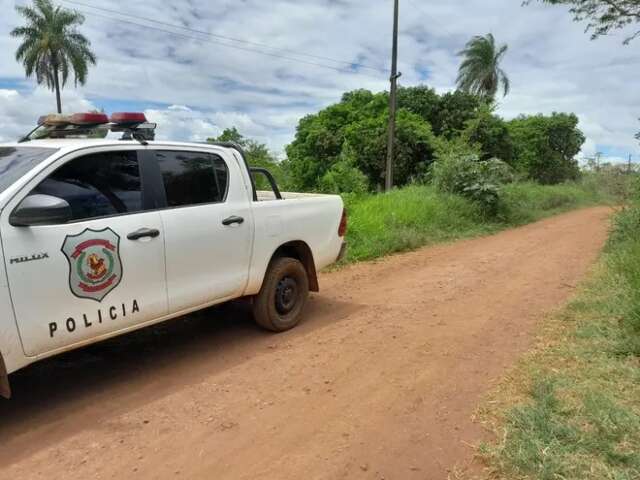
[(60, 396)]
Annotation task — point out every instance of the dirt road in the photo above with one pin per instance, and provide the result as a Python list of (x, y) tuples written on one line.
[(380, 381)]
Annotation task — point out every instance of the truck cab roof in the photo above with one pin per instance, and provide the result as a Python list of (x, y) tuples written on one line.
[(70, 144)]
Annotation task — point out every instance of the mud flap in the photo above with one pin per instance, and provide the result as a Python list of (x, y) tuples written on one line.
[(5, 388)]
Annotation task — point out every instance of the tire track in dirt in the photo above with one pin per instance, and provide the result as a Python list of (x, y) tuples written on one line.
[(380, 381)]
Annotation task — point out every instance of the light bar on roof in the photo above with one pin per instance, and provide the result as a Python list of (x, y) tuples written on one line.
[(89, 119), (128, 118), (54, 120)]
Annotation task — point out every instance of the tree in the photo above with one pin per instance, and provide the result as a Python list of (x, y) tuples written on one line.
[(603, 16), (365, 145), (52, 47), (320, 138), (447, 114), (480, 71), (490, 133), (353, 131), (256, 153), (545, 146)]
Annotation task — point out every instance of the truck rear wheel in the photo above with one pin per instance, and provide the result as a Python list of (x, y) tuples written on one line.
[(281, 300)]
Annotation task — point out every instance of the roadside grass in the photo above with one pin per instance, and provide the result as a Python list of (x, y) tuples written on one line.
[(571, 408), (414, 216)]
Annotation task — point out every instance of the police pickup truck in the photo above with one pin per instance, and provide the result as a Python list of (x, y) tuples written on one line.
[(104, 236)]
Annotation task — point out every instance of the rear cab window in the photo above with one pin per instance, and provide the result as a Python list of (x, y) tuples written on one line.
[(192, 178)]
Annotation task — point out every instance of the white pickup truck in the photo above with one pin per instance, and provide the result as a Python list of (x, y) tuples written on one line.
[(101, 237)]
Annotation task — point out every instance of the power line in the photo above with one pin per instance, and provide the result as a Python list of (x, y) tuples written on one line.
[(228, 39)]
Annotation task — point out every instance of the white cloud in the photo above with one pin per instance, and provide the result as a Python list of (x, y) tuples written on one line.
[(180, 122), (19, 112), (552, 63)]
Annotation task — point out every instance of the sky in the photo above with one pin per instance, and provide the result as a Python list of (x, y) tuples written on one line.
[(196, 84)]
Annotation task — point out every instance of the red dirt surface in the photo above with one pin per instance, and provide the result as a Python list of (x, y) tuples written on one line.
[(379, 381)]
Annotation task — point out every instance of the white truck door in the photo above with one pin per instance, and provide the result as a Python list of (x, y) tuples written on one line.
[(208, 225), (101, 272)]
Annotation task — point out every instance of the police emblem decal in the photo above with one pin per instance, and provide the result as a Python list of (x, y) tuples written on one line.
[(95, 268)]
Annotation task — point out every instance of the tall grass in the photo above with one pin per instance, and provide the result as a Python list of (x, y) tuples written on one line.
[(414, 216), (572, 408)]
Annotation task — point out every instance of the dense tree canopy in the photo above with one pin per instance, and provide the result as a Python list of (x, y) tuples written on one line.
[(347, 140), (545, 146), (354, 131), (447, 114), (490, 133), (603, 16)]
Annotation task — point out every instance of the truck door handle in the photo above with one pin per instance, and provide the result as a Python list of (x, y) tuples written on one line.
[(232, 219), (143, 232)]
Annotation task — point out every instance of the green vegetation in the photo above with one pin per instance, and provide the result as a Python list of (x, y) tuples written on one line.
[(52, 47), (545, 146), (257, 154), (577, 396), (407, 218), (352, 134)]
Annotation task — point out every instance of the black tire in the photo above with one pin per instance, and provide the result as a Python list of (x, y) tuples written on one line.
[(283, 296)]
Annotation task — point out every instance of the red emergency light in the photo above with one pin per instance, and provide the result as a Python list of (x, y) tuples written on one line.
[(88, 119), (54, 120), (128, 118), (133, 125)]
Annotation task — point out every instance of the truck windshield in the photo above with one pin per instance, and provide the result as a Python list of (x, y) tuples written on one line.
[(17, 161)]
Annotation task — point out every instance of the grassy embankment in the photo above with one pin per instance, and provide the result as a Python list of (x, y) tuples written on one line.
[(571, 408), (414, 216)]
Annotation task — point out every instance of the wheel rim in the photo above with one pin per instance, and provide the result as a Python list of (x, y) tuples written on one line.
[(286, 295)]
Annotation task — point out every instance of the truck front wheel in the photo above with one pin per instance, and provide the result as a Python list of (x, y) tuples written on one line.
[(281, 300)]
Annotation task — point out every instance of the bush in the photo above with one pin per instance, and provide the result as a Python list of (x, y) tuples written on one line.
[(343, 177), (458, 170)]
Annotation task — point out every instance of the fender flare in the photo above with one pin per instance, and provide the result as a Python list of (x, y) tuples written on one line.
[(5, 387), (300, 250)]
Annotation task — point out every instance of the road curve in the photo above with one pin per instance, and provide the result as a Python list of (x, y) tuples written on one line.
[(380, 381)]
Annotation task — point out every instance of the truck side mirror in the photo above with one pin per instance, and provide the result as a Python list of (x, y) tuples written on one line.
[(39, 209)]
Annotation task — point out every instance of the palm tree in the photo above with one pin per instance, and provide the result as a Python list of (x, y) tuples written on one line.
[(480, 71), (51, 46)]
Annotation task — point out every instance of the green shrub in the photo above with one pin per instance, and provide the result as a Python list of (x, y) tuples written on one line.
[(343, 177), (458, 170)]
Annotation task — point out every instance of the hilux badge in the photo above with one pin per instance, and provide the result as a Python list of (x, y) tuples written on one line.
[(94, 262)]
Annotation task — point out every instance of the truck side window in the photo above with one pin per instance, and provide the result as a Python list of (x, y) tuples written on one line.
[(192, 178), (97, 185)]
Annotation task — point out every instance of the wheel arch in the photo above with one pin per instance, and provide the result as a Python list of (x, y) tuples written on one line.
[(5, 387), (299, 250)]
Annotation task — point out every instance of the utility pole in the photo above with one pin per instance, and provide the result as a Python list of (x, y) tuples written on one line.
[(388, 181), (629, 165)]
